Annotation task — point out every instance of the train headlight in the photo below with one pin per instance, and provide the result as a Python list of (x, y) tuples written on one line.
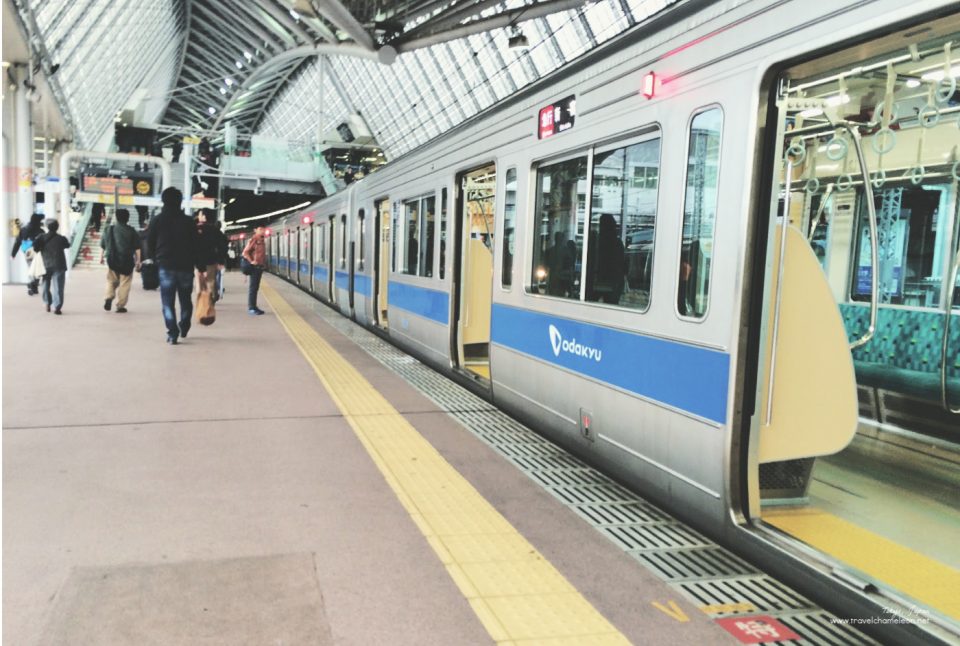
[(541, 274)]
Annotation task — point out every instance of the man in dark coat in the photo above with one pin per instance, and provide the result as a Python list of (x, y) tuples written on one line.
[(54, 248), (171, 243), (25, 240), (121, 243)]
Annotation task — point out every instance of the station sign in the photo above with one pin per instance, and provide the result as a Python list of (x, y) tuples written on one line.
[(121, 185), (558, 117)]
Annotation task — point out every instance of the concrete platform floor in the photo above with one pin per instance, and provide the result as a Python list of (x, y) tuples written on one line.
[(211, 493)]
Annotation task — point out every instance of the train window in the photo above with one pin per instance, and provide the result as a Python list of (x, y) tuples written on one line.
[(363, 232), (410, 248), (913, 244), (699, 213), (343, 241), (317, 244), (559, 216), (623, 213), (428, 207), (509, 227), (443, 232)]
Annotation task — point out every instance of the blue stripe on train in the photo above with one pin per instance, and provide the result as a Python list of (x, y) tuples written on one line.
[(320, 273), (362, 285), (683, 376), (428, 303)]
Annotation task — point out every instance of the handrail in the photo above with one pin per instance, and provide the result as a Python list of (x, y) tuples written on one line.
[(784, 223), (874, 253), (79, 232), (944, 398), (816, 219)]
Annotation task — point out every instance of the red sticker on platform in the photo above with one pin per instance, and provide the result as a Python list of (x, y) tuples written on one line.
[(760, 629)]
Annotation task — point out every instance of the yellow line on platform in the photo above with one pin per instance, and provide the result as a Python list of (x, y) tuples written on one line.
[(514, 591), (930, 582)]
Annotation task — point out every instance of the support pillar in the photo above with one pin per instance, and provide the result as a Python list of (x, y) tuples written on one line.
[(19, 174)]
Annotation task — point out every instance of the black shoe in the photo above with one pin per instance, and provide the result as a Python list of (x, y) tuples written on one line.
[(172, 340), (123, 310), (183, 330), (48, 308), (57, 311), (107, 303)]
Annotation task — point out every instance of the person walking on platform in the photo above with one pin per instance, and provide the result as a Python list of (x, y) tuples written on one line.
[(53, 247), (96, 216), (211, 252), (121, 244), (24, 241), (171, 243), (255, 253)]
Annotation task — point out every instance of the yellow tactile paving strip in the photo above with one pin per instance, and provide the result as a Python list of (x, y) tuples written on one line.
[(516, 593), (930, 582)]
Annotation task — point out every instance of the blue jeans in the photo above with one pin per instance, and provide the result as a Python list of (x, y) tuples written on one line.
[(254, 287), (56, 280), (176, 283)]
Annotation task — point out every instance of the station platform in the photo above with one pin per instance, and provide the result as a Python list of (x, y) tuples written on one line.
[(275, 480)]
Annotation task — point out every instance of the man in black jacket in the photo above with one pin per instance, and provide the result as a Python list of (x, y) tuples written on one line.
[(171, 243), (53, 246)]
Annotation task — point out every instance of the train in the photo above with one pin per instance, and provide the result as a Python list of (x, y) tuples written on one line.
[(661, 257)]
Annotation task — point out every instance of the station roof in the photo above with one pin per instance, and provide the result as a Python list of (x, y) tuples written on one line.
[(405, 70)]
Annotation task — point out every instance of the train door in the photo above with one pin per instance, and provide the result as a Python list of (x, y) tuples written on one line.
[(857, 433), (381, 261), (306, 256), (298, 237), (473, 270), (331, 259), (289, 252)]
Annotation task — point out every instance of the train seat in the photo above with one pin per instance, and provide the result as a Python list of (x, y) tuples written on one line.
[(904, 355)]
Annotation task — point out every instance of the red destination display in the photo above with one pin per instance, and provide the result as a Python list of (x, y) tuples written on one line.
[(557, 117)]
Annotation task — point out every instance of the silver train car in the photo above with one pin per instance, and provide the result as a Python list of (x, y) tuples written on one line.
[(661, 258)]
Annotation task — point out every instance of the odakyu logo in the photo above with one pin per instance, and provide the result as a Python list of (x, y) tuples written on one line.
[(559, 344)]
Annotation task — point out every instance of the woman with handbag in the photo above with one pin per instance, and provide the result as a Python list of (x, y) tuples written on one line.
[(24, 242), (252, 263)]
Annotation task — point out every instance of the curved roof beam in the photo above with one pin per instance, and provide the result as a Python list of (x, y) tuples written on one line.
[(340, 16), (504, 19), (385, 55)]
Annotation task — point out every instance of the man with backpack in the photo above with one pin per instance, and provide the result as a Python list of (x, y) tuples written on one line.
[(121, 244)]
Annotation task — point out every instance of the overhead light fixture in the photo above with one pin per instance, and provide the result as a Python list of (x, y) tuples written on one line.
[(212, 110), (518, 40)]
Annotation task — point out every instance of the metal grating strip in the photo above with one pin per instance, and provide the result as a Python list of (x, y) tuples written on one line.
[(820, 629), (696, 563), (704, 572)]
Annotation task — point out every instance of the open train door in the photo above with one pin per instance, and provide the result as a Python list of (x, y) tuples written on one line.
[(473, 271), (381, 261)]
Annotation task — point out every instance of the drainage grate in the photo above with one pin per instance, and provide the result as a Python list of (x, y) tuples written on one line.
[(819, 628), (767, 595), (693, 563), (654, 536), (710, 576)]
